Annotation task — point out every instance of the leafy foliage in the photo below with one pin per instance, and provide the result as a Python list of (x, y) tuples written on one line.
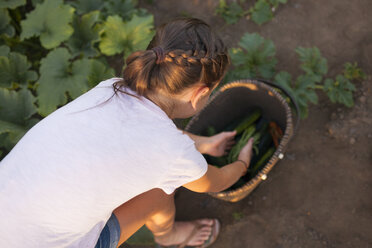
[(352, 72), (275, 3), (5, 27), (49, 20), (11, 4), (230, 13), (4, 51), (35, 2), (126, 9), (85, 35), (15, 69), (86, 6), (118, 36), (303, 90), (58, 75), (261, 12), (253, 58), (16, 109), (73, 66), (340, 90), (312, 62), (98, 72)]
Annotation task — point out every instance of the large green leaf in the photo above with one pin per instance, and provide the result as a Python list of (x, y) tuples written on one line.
[(284, 79), (59, 76), (86, 6), (11, 4), (99, 72), (4, 50), (85, 35), (303, 90), (118, 36), (254, 57), (14, 68), (16, 108), (340, 90), (261, 12), (49, 20), (231, 13), (5, 27), (312, 62), (123, 8)]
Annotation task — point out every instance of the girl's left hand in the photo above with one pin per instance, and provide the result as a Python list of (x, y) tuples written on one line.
[(219, 144)]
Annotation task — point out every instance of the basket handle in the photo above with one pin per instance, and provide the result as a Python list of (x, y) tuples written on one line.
[(290, 97)]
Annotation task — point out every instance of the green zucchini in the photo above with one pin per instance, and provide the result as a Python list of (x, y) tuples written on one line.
[(248, 121), (235, 150), (257, 136), (262, 161), (232, 125)]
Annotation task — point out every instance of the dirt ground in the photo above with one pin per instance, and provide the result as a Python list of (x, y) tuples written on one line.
[(320, 195)]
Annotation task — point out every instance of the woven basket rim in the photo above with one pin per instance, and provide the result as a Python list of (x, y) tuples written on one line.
[(288, 132)]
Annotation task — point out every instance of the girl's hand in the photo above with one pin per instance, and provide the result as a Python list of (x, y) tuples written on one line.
[(246, 152), (219, 144)]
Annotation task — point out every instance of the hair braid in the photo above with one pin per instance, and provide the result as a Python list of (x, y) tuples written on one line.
[(183, 58), (184, 52)]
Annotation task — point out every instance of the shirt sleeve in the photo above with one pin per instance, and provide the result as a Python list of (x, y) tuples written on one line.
[(189, 166)]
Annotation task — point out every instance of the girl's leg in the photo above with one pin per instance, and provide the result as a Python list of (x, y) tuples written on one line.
[(156, 209)]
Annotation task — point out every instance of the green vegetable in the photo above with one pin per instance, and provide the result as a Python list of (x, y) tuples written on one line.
[(257, 136), (233, 124), (264, 144), (262, 161), (248, 121), (211, 131), (234, 153)]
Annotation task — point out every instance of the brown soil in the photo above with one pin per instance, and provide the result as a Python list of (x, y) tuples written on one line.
[(320, 194)]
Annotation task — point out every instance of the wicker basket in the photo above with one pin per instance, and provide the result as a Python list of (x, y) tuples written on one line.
[(235, 99)]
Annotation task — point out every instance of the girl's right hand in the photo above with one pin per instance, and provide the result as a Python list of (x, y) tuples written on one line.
[(246, 152)]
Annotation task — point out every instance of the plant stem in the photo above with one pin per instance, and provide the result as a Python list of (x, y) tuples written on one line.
[(318, 86)]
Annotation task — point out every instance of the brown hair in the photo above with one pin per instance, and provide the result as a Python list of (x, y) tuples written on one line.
[(182, 52)]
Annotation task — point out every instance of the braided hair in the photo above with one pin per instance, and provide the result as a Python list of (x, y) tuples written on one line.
[(182, 53)]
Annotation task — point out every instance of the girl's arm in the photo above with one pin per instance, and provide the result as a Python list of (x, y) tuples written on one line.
[(216, 145), (218, 179)]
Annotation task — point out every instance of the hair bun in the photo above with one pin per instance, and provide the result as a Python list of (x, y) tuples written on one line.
[(160, 55)]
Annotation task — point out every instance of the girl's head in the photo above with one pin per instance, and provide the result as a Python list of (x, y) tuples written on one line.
[(185, 59)]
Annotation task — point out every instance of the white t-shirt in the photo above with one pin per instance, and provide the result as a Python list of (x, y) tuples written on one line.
[(60, 183)]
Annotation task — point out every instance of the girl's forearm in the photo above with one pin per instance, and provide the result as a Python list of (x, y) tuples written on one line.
[(222, 178), (231, 174), (217, 179)]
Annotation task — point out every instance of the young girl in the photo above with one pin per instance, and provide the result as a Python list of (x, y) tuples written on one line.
[(93, 172)]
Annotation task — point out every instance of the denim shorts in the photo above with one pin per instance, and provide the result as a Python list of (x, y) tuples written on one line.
[(110, 234)]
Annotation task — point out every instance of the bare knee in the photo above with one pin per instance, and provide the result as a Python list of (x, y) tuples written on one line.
[(154, 208)]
